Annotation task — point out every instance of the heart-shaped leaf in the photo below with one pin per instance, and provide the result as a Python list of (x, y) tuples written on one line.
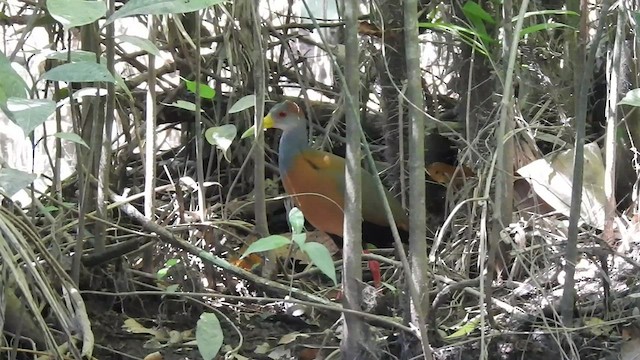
[(29, 114), (12, 180), (222, 137)]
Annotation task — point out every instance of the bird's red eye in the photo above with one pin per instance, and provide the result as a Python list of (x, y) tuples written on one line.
[(282, 114)]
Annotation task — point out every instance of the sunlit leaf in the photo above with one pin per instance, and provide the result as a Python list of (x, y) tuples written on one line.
[(82, 71), (209, 336), (222, 137), (631, 98), (75, 56), (162, 273), (296, 219), (299, 239), (29, 114), (160, 7), (243, 104), (321, 257), (12, 84), (206, 91), (12, 180), (465, 330), (72, 13)]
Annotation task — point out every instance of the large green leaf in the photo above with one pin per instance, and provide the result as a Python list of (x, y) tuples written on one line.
[(75, 56), (209, 336), (72, 13), (321, 257), (266, 244), (473, 10), (12, 180), (29, 114), (160, 7), (82, 71), (12, 84)]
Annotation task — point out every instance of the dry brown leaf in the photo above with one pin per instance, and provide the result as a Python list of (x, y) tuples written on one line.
[(551, 179)]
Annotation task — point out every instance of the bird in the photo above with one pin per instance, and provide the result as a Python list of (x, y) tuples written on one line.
[(315, 179)]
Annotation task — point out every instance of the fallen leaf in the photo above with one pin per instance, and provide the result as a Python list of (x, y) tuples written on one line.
[(551, 178), (133, 326)]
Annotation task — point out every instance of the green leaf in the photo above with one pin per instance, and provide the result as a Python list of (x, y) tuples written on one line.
[(546, 12), (12, 84), (29, 114), (321, 257), (12, 180), (82, 71), (631, 98), (206, 91), (222, 137), (296, 219), (209, 336), (73, 137), (72, 13), (540, 27), (244, 103), (185, 105), (266, 244), (465, 330), (299, 239), (473, 10), (162, 273), (75, 56), (139, 42), (49, 209), (466, 35), (173, 288), (171, 262), (160, 7)]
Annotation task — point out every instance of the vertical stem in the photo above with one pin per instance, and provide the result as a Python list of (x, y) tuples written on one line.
[(417, 194), (150, 142), (260, 208), (354, 332), (198, 120)]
